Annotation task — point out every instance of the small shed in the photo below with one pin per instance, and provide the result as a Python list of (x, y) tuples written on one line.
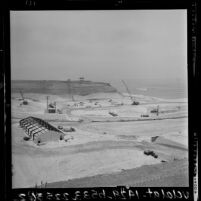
[(40, 131)]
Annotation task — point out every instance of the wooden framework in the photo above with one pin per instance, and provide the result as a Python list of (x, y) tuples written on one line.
[(34, 127)]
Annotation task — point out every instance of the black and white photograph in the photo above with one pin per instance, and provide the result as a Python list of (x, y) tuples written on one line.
[(99, 98)]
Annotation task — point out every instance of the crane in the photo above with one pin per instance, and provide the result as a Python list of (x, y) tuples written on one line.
[(156, 110), (131, 97), (24, 102)]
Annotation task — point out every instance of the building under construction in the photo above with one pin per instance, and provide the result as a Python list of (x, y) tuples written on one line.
[(40, 131)]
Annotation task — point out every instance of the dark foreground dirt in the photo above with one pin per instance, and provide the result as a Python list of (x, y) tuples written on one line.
[(167, 174)]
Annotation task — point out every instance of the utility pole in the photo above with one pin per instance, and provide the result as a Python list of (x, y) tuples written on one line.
[(157, 110), (70, 90), (47, 103)]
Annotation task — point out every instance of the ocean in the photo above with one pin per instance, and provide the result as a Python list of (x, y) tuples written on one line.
[(167, 89)]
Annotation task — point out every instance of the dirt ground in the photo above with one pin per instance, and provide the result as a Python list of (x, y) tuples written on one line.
[(104, 150)]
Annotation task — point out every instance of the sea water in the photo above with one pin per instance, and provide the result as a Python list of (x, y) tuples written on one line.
[(160, 88)]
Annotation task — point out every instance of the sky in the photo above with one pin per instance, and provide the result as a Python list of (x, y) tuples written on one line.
[(99, 45)]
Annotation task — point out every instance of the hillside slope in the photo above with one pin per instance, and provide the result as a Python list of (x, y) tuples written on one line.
[(76, 87)]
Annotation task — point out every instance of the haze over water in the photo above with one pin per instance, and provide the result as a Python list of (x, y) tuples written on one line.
[(168, 89)]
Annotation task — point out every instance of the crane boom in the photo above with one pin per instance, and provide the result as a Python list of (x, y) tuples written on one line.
[(127, 90), (70, 90), (24, 102), (21, 95), (131, 97)]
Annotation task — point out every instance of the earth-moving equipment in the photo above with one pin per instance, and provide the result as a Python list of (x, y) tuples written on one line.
[(134, 102), (24, 102)]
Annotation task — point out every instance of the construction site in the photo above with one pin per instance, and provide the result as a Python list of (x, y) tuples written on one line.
[(89, 134)]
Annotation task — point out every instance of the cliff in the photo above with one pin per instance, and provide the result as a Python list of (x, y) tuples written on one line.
[(76, 87)]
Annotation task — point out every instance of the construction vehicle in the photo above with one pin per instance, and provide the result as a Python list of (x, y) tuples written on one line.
[(71, 129), (144, 115), (51, 107), (134, 102), (59, 111), (24, 102), (113, 114), (156, 110), (60, 127), (152, 153)]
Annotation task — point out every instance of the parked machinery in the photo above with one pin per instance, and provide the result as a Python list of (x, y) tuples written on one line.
[(51, 107), (156, 110)]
